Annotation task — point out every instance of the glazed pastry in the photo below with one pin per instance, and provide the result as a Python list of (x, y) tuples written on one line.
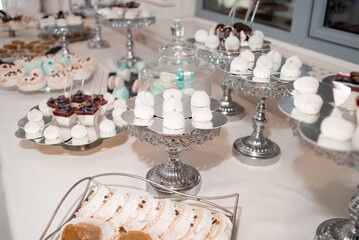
[(87, 113), (10, 78), (33, 82), (65, 115)]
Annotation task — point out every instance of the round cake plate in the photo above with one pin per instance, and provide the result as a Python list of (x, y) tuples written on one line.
[(325, 91)]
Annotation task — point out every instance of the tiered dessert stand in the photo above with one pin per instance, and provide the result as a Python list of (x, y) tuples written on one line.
[(129, 59), (97, 42), (174, 174), (63, 32)]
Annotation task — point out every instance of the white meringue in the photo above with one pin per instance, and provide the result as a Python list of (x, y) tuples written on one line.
[(266, 61), (174, 120), (107, 126), (276, 58), (34, 115), (255, 42), (238, 65), (32, 127), (212, 42), (201, 35), (172, 93), (144, 111), (306, 85), (261, 71), (231, 43), (78, 131), (289, 71), (52, 132), (308, 103), (200, 99), (120, 103), (145, 98), (202, 115), (295, 60), (337, 128), (249, 56), (171, 105)]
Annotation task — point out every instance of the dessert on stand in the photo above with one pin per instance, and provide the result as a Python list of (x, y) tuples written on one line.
[(226, 41), (96, 10), (263, 80), (13, 24), (175, 122), (131, 213), (129, 17), (63, 26)]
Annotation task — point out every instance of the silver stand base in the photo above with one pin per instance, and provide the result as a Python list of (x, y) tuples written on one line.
[(256, 152), (98, 44), (83, 147), (231, 109), (337, 229), (187, 180)]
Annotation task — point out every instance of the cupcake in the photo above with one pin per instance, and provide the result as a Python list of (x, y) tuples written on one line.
[(88, 113)]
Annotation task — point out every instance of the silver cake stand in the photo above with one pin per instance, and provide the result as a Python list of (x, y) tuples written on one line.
[(130, 59), (97, 42), (257, 149), (339, 228), (218, 57), (63, 32), (174, 174)]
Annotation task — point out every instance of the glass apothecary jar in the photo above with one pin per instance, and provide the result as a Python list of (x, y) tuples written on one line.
[(178, 67)]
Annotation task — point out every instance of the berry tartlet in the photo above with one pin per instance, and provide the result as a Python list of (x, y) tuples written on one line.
[(88, 113), (58, 102), (99, 101), (79, 97), (65, 115)]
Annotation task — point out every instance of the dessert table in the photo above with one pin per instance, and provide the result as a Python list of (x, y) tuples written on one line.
[(287, 200)]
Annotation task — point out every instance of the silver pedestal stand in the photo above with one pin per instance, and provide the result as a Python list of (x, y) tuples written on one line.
[(130, 59), (97, 42), (257, 149), (63, 32), (174, 174)]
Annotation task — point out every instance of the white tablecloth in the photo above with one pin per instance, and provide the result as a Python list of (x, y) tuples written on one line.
[(285, 201)]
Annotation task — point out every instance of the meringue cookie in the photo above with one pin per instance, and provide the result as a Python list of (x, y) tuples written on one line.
[(238, 65), (266, 61), (308, 103), (145, 98), (255, 42), (34, 115), (337, 128), (212, 42), (249, 56), (333, 144), (201, 35), (231, 43), (289, 71), (110, 100), (120, 103), (78, 131), (171, 105), (174, 120), (261, 71), (144, 111), (200, 99), (202, 115), (303, 117), (45, 110), (295, 60), (116, 115), (52, 132), (172, 93), (258, 33), (276, 58), (32, 127), (306, 85), (107, 125), (127, 211)]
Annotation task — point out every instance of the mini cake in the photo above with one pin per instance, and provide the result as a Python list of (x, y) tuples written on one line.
[(337, 128), (32, 130), (171, 105), (144, 112), (212, 42), (289, 71), (200, 99), (65, 115), (52, 135), (261, 72), (249, 56), (110, 100), (45, 110), (35, 116), (200, 36), (57, 102), (173, 123), (10, 78), (58, 80), (295, 60), (255, 42), (172, 93), (78, 98), (79, 135), (306, 85), (89, 62), (87, 113), (266, 61), (100, 102), (107, 128), (232, 43), (145, 98), (80, 71), (276, 58), (308, 103), (239, 65)]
